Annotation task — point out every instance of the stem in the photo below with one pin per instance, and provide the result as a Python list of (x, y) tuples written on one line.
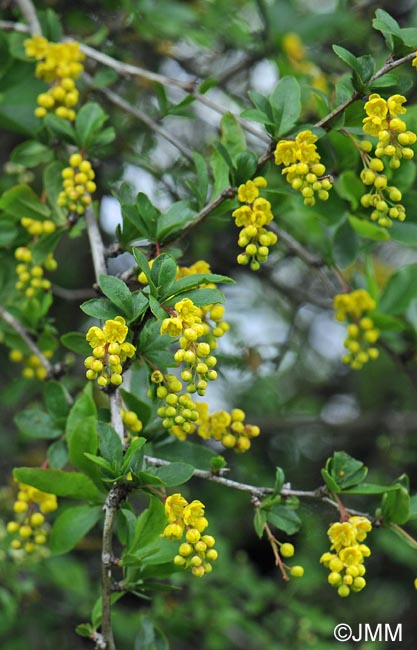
[(96, 244), (29, 14), (278, 560), (114, 498), (18, 327), (404, 533)]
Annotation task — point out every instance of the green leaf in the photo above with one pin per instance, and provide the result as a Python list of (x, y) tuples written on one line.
[(133, 458), (57, 454), (246, 164), (395, 505), (389, 27), (85, 630), (172, 474), (21, 201), (100, 308), (345, 470), (400, 290), (284, 518), (143, 264), (187, 452), (220, 171), (83, 439), (200, 297), (164, 271), (34, 423), (82, 408), (370, 488), (405, 233), (56, 399), (279, 480), (8, 231), (347, 57), (193, 281), (368, 229), (149, 636), (286, 104), (349, 187), (52, 181), (173, 221), (202, 182), (345, 245), (149, 527), (110, 444), (61, 127), (104, 77), (232, 135), (118, 292), (140, 305), (76, 342), (259, 521), (64, 484), (31, 153), (71, 526), (88, 124)]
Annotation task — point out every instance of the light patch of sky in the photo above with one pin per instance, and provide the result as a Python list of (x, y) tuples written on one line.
[(327, 336), (340, 408), (264, 76), (320, 6)]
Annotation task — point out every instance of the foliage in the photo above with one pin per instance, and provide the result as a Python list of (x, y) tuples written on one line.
[(132, 336)]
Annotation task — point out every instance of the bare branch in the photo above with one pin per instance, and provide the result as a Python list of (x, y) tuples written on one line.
[(96, 244), (18, 327), (29, 14), (115, 99)]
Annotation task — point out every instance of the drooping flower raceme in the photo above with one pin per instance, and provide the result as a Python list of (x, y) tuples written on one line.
[(197, 552), (345, 560), (110, 351), (354, 308), (302, 167)]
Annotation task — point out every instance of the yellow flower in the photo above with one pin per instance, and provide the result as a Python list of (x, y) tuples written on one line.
[(174, 506), (115, 331), (171, 326), (95, 337), (395, 105), (351, 556), (293, 47), (362, 525), (247, 192), (193, 512), (285, 153), (341, 534)]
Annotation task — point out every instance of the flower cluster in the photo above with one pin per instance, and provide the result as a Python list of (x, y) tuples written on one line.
[(35, 227), (32, 366), (346, 563), (31, 282), (228, 428), (186, 322), (303, 168), (27, 529), (179, 412), (354, 308), (252, 217), (211, 315), (110, 351), (59, 64), (394, 142), (197, 551), (78, 184)]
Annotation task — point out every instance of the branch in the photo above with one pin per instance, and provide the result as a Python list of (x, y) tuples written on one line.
[(390, 65), (114, 498), (96, 244), (29, 14), (18, 327), (115, 99)]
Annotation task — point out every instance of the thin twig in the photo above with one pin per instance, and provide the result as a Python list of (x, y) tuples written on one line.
[(18, 327), (96, 244), (30, 16), (115, 99)]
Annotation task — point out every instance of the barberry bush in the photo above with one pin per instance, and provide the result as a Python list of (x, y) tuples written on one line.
[(208, 323)]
